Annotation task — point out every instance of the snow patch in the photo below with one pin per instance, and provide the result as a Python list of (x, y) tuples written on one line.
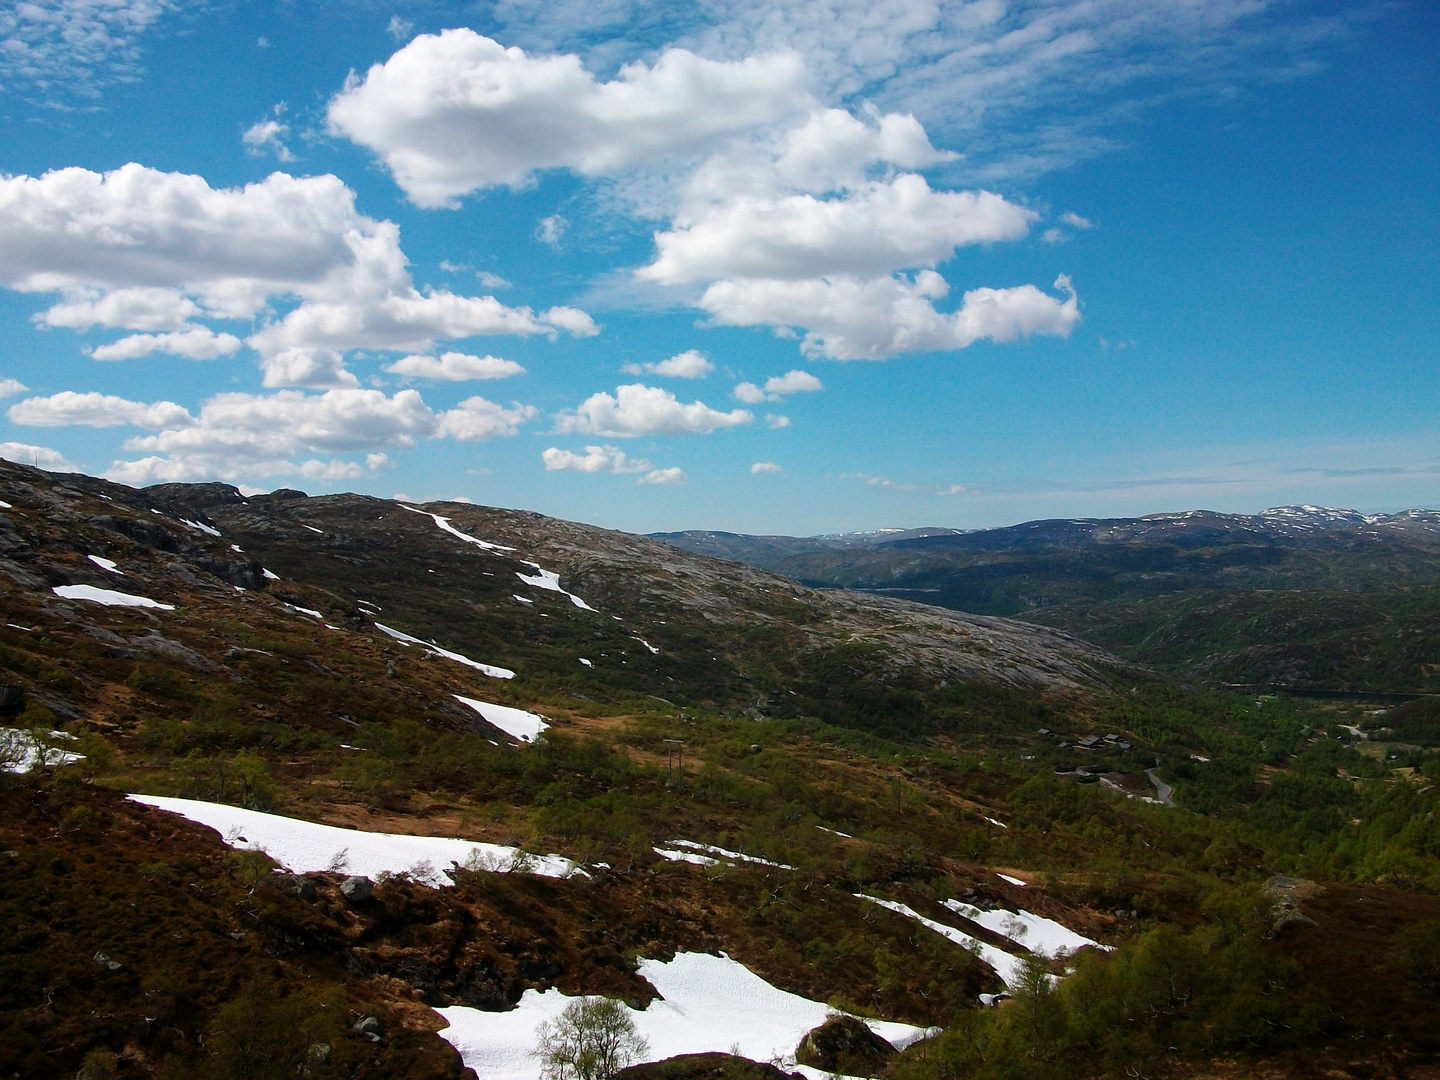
[(304, 610), (517, 723), (312, 528), (550, 581), (654, 651), (1044, 937), (21, 751), (444, 523), (200, 526), (522, 599), (484, 669), (1011, 880), (707, 1004), (691, 845), (106, 564), (587, 663), (268, 575), (108, 597), (685, 856), (1006, 965), (307, 846)]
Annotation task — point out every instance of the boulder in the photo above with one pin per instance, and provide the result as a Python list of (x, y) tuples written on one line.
[(357, 889), (297, 885), (845, 1044)]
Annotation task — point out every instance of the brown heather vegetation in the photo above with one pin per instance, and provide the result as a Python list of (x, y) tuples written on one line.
[(801, 712)]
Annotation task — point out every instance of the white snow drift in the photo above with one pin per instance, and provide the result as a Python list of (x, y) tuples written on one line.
[(550, 581), (20, 751), (108, 597), (517, 723), (1044, 937), (724, 853), (444, 524), (1005, 965), (460, 658), (306, 846), (707, 1004)]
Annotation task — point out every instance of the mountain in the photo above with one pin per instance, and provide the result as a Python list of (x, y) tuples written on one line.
[(1298, 597), (342, 786)]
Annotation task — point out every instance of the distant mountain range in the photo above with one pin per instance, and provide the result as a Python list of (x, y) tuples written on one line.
[(1188, 528), (1296, 596)]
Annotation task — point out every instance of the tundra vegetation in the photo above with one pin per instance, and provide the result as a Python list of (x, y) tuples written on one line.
[(821, 731)]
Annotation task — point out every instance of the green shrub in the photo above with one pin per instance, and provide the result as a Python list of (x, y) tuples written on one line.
[(264, 1033)]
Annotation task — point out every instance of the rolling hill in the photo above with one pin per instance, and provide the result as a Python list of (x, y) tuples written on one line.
[(1293, 598)]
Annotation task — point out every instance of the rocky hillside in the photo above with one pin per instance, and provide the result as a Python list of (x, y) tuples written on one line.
[(458, 761), (564, 607)]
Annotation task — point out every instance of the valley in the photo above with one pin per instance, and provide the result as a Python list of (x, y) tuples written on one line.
[(1055, 832), (1293, 598)]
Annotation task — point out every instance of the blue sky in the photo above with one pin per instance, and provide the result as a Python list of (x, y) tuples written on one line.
[(770, 267)]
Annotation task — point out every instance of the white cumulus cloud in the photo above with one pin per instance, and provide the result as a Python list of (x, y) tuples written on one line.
[(689, 364), (455, 367), (143, 307), (455, 112), (878, 228), (849, 318), (148, 250), (830, 150), (267, 137), (197, 343), (609, 459), (11, 387), (778, 386), (42, 457), (596, 459), (638, 409), (764, 468), (68, 408), (475, 418), (242, 435), (789, 229)]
